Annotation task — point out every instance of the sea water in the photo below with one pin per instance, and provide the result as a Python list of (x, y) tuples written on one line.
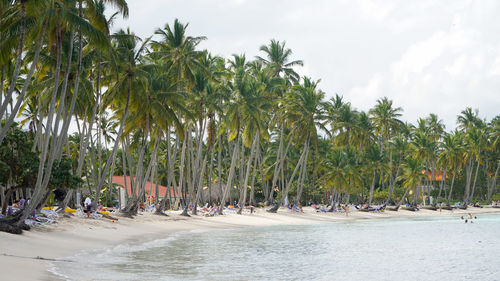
[(384, 249)]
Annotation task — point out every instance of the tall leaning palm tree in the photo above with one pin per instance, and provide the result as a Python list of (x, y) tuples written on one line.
[(129, 79), (385, 119), (451, 157), (303, 108), (177, 55), (411, 178), (278, 60)]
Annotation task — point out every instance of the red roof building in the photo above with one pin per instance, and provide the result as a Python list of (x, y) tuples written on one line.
[(150, 188)]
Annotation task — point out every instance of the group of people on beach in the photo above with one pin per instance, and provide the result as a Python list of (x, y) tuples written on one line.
[(339, 208), (17, 205), (469, 218)]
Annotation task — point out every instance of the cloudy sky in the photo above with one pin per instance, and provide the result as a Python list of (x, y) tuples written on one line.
[(428, 56)]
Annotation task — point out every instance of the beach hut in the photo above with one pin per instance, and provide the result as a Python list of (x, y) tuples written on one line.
[(151, 190)]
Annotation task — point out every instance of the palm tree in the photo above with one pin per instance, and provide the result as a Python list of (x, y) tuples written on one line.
[(303, 108), (494, 152), (176, 52), (385, 120), (131, 79), (451, 157), (278, 59), (334, 172), (411, 178)]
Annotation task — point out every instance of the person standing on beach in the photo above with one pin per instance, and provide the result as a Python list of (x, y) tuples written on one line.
[(346, 208), (88, 206)]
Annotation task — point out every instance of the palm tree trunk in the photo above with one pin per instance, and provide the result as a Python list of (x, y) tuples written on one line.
[(130, 164), (468, 172), (140, 164), (491, 187), (64, 88), (451, 186), (219, 167), (67, 119), (124, 165), (255, 164), (171, 185), (303, 176), (241, 170), (44, 172), (248, 170), (132, 208), (118, 136), (209, 174), (199, 185), (402, 198), (443, 182), (181, 169), (372, 186), (474, 184), (2, 77), (84, 141), (225, 192), (277, 164), (299, 164)]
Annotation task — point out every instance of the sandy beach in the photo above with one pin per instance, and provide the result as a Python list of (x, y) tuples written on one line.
[(18, 253)]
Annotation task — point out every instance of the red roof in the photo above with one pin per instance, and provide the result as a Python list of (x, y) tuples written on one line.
[(438, 176), (162, 190)]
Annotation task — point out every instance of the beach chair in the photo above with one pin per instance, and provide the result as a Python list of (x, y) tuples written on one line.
[(50, 214), (380, 209)]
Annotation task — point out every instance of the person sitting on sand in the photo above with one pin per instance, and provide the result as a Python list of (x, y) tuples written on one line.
[(21, 203), (16, 204), (88, 206)]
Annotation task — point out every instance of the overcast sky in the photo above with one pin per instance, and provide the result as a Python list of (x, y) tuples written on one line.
[(427, 56)]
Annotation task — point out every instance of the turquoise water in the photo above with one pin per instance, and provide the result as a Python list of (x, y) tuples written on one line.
[(389, 249)]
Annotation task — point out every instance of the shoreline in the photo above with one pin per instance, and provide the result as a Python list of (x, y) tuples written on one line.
[(71, 235)]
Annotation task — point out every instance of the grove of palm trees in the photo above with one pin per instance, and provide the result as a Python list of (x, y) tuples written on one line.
[(80, 104)]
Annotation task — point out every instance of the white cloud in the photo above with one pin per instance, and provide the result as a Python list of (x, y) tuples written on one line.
[(428, 56)]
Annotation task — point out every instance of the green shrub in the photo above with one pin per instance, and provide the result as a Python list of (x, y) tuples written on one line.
[(495, 197), (380, 195)]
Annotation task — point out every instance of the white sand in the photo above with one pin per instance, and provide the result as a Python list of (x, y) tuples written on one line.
[(74, 234)]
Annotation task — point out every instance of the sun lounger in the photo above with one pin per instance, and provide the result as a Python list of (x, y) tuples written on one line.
[(50, 214), (413, 209)]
